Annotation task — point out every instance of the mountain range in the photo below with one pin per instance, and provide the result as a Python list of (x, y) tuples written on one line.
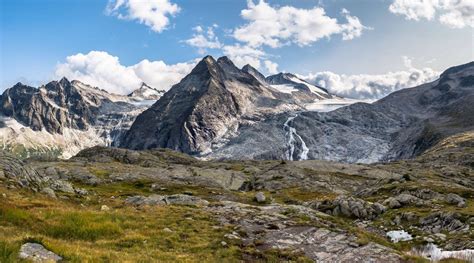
[(219, 111), (122, 195)]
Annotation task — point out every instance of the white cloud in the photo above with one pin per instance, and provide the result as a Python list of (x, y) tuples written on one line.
[(271, 67), (242, 55), (453, 13), (353, 28), (152, 13), (277, 26), (98, 68), (204, 40), (366, 86)]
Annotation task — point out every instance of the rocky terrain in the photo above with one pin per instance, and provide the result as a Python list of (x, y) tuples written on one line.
[(63, 117), (159, 205), (400, 126)]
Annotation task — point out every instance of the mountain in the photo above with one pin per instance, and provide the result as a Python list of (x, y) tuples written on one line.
[(402, 125), (205, 108), (221, 112), (289, 83), (146, 92), (62, 117)]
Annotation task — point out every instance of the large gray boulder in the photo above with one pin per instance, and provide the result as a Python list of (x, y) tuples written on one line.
[(37, 253)]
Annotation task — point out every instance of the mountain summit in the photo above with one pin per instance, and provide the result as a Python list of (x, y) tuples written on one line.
[(146, 92), (207, 105)]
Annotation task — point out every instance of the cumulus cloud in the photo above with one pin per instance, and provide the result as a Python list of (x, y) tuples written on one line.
[(271, 67), (204, 40), (276, 26), (366, 86), (243, 54), (453, 13), (152, 13), (98, 68)]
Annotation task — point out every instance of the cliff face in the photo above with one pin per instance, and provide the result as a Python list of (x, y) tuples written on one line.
[(52, 107), (63, 117)]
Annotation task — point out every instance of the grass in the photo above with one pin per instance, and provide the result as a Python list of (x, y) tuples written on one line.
[(101, 173), (8, 252), (78, 231), (84, 233), (295, 195)]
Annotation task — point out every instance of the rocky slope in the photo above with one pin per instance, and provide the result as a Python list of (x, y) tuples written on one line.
[(63, 117), (402, 125), (142, 204), (205, 108)]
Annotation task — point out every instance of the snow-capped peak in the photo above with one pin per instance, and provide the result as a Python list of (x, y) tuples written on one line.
[(289, 83), (146, 92)]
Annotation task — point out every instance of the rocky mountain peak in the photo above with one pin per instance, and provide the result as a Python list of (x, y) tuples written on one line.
[(145, 92), (204, 106), (64, 81), (254, 72), (224, 60)]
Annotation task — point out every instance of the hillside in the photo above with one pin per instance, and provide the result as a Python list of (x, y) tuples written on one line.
[(118, 205)]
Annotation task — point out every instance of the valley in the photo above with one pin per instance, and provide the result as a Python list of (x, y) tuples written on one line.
[(230, 165)]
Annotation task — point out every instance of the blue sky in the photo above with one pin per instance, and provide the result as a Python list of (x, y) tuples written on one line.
[(38, 35)]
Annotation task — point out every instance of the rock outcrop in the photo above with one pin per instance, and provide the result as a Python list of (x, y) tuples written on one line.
[(15, 173), (349, 207), (177, 199)]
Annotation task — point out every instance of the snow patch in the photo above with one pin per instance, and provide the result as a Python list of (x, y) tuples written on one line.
[(311, 87), (399, 235), (283, 88), (435, 254), (332, 104)]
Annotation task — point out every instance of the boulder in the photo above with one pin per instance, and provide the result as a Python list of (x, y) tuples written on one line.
[(403, 199), (37, 253), (260, 197), (392, 203), (455, 199)]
